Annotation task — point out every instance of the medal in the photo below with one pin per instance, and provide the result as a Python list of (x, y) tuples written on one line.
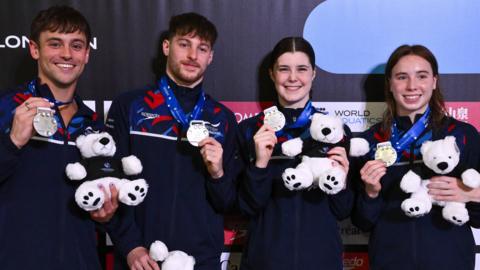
[(44, 123), (386, 153), (196, 132), (274, 118)]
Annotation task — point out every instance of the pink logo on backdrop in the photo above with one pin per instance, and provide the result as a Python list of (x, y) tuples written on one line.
[(465, 111), (244, 110)]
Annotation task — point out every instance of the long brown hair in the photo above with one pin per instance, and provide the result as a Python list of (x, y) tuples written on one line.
[(437, 105)]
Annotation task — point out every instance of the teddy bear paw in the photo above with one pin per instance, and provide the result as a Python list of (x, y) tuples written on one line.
[(133, 192), (75, 171), (296, 179), (292, 147), (332, 182), (89, 197), (455, 214), (415, 208), (471, 178), (410, 182), (131, 165)]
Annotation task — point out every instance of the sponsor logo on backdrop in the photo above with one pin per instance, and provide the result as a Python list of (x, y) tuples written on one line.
[(465, 111), (245, 110), (359, 116), (15, 42), (355, 261)]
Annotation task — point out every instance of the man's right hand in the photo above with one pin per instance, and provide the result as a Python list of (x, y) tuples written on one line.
[(138, 259), (265, 141), (22, 125)]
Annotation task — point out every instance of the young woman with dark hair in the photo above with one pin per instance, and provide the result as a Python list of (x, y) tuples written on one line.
[(288, 229)]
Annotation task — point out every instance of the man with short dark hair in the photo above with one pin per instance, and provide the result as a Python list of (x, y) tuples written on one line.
[(186, 141), (41, 227)]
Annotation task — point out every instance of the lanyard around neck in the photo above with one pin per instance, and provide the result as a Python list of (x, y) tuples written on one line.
[(174, 107), (401, 143), (32, 87)]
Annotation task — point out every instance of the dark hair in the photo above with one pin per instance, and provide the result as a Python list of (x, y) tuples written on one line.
[(192, 23), (437, 105), (292, 44), (63, 19)]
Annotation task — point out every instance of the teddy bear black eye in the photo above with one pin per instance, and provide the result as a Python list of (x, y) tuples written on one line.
[(450, 157)]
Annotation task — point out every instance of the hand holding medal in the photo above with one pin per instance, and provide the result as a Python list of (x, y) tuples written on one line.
[(196, 132), (274, 118), (44, 122), (386, 153), (22, 125)]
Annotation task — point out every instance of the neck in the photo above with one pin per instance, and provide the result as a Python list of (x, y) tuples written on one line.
[(294, 105), (183, 83), (412, 115), (62, 93)]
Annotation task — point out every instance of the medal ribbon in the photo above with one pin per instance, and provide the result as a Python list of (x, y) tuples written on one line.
[(302, 120), (32, 88), (412, 134), (174, 106)]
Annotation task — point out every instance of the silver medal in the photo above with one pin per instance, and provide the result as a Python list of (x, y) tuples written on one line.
[(274, 118), (44, 123), (196, 132), (386, 153)]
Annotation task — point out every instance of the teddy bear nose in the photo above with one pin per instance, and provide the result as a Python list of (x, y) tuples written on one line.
[(104, 141), (326, 131), (442, 165)]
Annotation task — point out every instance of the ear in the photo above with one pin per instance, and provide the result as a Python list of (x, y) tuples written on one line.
[(425, 146), (34, 49), (452, 141), (87, 56), (166, 47), (435, 79), (80, 140), (270, 73), (314, 73), (210, 57), (316, 116)]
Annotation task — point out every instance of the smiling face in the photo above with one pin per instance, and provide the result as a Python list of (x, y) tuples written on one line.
[(61, 58), (293, 75), (412, 83), (187, 58)]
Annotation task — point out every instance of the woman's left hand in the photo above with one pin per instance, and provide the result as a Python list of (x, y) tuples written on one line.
[(339, 155), (450, 189)]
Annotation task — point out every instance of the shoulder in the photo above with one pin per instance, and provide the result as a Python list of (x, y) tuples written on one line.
[(128, 96), (250, 126), (464, 132), (218, 108), (374, 133)]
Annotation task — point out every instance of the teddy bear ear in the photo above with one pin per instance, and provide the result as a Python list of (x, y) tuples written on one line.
[(80, 140), (425, 146)]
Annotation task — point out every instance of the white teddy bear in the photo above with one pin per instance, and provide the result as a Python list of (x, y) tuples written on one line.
[(440, 157), (173, 260), (315, 168), (100, 168)]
